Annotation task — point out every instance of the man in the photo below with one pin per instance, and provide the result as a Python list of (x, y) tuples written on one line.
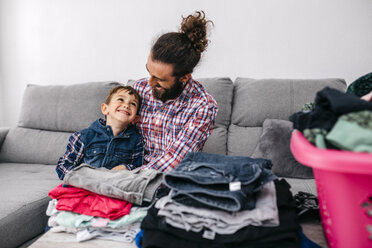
[(177, 114)]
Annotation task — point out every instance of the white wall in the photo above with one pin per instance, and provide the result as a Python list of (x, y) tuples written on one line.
[(71, 41)]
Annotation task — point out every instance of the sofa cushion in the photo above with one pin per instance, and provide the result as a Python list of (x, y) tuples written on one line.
[(22, 210), (25, 145), (66, 108), (274, 145), (216, 142), (222, 91), (242, 140), (258, 99)]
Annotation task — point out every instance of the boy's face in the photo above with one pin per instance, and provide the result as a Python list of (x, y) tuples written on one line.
[(122, 109)]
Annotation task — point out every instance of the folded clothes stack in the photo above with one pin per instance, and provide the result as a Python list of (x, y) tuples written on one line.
[(222, 201), (104, 204)]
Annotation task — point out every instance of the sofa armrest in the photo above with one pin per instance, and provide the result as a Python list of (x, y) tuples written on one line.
[(3, 132)]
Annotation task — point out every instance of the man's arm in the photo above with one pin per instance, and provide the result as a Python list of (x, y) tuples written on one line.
[(192, 137), (72, 157)]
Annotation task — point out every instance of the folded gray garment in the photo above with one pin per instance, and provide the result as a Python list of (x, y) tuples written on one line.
[(218, 221), (133, 186), (97, 233)]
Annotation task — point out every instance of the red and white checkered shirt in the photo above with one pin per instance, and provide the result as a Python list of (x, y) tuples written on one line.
[(171, 129)]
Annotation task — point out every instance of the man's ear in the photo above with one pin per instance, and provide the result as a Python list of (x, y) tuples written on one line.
[(135, 120), (104, 109), (186, 78)]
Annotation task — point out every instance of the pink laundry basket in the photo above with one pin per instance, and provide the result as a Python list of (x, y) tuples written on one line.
[(344, 186)]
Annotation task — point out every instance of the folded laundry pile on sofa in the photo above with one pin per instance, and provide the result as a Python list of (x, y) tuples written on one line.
[(209, 200), (99, 203), (222, 201)]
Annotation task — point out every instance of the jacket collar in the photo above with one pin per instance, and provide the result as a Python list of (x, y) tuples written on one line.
[(101, 127)]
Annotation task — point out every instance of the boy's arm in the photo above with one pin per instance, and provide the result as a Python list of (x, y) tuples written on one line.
[(137, 156), (72, 157)]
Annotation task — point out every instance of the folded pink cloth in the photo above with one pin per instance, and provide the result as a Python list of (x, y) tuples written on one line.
[(82, 201)]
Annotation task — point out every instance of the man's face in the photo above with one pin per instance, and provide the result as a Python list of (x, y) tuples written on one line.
[(164, 85)]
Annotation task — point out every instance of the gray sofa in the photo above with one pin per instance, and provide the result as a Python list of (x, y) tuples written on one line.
[(49, 114)]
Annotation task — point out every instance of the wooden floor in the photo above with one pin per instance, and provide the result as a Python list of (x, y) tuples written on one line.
[(314, 231)]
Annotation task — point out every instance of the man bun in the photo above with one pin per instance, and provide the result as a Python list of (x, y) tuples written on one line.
[(195, 28), (183, 49)]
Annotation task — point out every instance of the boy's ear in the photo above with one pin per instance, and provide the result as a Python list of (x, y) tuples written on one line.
[(104, 109), (135, 120)]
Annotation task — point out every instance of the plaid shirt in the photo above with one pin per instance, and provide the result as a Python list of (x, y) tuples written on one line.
[(169, 130), (72, 157)]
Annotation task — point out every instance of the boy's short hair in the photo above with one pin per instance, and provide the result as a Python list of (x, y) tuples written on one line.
[(127, 88)]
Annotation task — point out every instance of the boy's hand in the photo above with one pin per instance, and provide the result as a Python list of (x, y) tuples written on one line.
[(119, 167)]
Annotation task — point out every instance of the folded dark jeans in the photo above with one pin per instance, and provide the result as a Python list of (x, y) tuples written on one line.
[(218, 181)]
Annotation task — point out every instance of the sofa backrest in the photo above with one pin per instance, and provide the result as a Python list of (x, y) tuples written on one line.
[(49, 115), (65, 108), (258, 99)]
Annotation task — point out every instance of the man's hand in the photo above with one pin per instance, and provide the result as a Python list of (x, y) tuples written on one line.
[(367, 97), (119, 167)]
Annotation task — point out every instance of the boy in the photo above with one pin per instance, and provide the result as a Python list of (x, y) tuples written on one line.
[(113, 143)]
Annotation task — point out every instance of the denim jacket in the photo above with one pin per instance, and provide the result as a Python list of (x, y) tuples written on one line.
[(97, 146), (102, 149)]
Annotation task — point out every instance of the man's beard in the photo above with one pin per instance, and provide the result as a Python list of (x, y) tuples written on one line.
[(168, 94)]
